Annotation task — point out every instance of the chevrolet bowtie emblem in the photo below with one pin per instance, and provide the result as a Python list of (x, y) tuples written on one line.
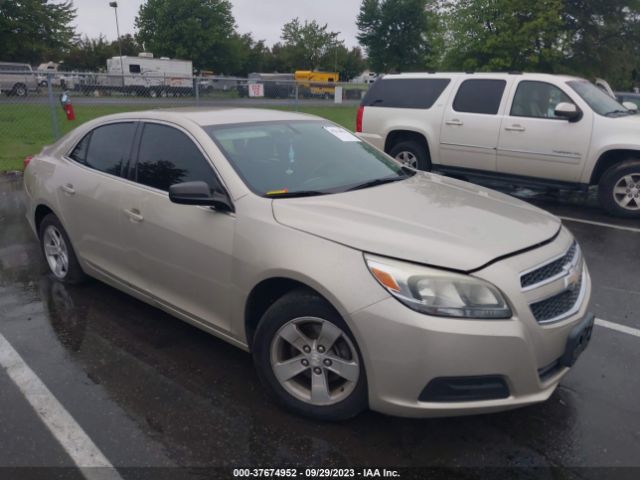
[(572, 279)]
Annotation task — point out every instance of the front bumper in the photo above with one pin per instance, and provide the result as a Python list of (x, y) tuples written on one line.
[(405, 350)]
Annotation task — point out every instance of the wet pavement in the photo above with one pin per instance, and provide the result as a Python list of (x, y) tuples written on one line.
[(152, 391)]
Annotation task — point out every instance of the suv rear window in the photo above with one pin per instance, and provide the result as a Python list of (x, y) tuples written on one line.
[(479, 96), (405, 92)]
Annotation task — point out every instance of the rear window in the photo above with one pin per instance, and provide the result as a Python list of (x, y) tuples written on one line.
[(14, 68), (479, 96), (405, 92), (106, 148)]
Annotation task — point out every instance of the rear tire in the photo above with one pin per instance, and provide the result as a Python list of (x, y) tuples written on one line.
[(619, 189), (412, 154), (58, 251), (324, 345)]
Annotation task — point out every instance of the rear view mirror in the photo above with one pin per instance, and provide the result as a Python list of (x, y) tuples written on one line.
[(630, 106), (569, 111), (198, 193)]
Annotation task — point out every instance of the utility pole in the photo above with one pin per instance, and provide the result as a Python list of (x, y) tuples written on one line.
[(114, 5)]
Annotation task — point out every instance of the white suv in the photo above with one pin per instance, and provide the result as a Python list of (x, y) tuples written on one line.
[(527, 129), (17, 79)]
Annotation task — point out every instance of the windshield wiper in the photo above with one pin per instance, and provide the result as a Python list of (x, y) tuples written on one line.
[(299, 193), (376, 182)]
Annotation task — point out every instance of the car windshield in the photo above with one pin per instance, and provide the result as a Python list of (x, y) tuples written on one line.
[(303, 158), (597, 99)]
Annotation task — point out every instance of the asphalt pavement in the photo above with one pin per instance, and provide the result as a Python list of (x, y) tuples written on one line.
[(154, 394)]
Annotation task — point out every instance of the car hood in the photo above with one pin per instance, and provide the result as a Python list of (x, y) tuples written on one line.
[(426, 219)]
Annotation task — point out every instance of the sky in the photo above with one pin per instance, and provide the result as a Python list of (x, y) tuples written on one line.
[(262, 18)]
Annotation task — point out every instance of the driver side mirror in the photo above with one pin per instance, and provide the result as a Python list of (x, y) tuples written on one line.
[(198, 193), (630, 106), (568, 110)]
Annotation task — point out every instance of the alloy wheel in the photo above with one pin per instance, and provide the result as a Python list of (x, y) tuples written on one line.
[(56, 252), (626, 192), (315, 361), (407, 158)]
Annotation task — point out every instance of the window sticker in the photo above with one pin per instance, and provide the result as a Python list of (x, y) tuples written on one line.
[(342, 134)]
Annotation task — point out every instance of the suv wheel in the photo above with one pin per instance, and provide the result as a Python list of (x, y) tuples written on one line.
[(20, 90), (412, 154), (619, 189), (58, 252), (308, 359)]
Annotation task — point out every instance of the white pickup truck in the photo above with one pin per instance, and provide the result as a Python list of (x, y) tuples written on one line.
[(527, 129)]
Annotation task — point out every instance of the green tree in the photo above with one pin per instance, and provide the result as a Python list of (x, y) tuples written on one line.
[(281, 60), (35, 30), (198, 30), (305, 46), (91, 54), (395, 33), (503, 35), (602, 39), (353, 65), (348, 63), (250, 55)]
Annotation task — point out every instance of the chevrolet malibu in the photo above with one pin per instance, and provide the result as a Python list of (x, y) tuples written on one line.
[(354, 281)]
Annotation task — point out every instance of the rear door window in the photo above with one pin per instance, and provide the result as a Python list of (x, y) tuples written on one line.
[(167, 156), (405, 92), (479, 96), (106, 148)]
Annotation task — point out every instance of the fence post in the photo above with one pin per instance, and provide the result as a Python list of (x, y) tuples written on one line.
[(197, 88), (52, 107), (296, 102)]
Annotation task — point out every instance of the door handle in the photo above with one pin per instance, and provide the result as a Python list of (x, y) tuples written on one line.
[(134, 215), (455, 122), (515, 128), (68, 188)]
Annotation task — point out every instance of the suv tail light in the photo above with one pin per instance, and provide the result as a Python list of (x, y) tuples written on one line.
[(27, 160), (359, 119)]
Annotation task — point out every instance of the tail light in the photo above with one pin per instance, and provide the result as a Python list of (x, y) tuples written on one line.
[(359, 118), (27, 160)]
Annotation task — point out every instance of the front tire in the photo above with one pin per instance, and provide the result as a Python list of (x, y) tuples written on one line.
[(619, 189), (411, 154), (20, 90), (58, 251), (308, 359)]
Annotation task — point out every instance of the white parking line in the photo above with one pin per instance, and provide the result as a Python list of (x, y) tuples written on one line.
[(600, 224), (85, 454), (618, 327)]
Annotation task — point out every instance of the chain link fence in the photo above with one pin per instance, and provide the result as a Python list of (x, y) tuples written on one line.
[(32, 115)]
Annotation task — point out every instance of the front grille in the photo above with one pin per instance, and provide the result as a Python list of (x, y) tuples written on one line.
[(558, 305), (465, 389), (549, 270)]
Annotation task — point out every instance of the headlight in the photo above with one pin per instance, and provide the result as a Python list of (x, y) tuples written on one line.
[(438, 292)]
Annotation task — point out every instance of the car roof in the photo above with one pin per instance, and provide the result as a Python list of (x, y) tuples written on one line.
[(205, 116), (528, 76)]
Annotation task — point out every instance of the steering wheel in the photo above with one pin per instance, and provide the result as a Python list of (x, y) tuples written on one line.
[(314, 175)]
